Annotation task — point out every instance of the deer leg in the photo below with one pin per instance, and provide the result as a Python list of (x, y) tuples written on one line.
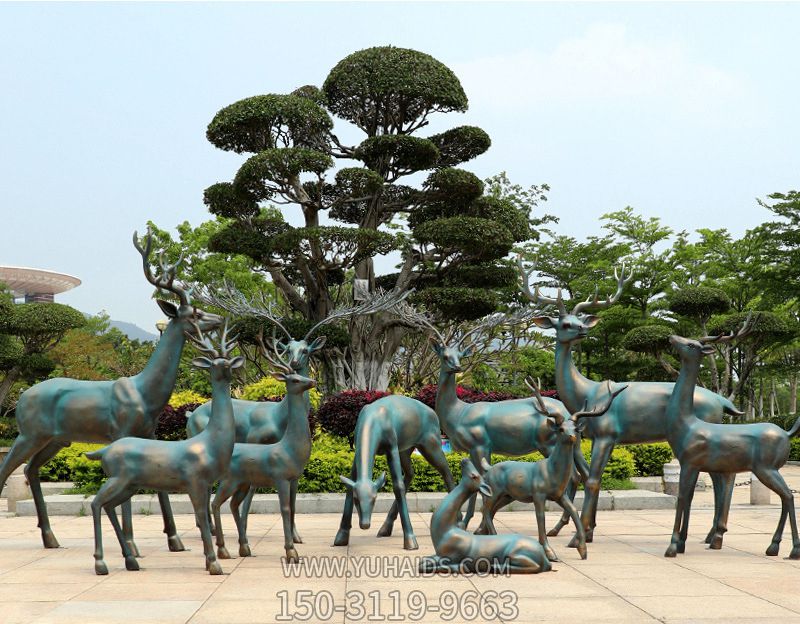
[(240, 519), (395, 467), (23, 448), (32, 474), (687, 480), (565, 518), (601, 452), (111, 489), (408, 474), (433, 454), (475, 454), (569, 509), (687, 508), (774, 481), (211, 515), (295, 534), (220, 497), (538, 504), (173, 541), (127, 553), (491, 506), (720, 527), (285, 499), (200, 502), (127, 526), (343, 535)]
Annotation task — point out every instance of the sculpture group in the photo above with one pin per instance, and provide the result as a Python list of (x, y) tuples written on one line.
[(243, 445)]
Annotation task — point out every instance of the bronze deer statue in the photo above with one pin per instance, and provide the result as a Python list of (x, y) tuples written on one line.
[(761, 448), (56, 412), (637, 417), (190, 466), (394, 425), (547, 479)]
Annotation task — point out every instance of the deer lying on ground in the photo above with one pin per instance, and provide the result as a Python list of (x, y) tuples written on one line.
[(56, 412), (760, 448), (458, 550), (190, 466), (394, 425), (278, 465), (547, 479)]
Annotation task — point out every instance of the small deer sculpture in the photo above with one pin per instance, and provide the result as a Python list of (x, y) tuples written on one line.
[(190, 466), (458, 550), (394, 425), (56, 412), (637, 417), (278, 465), (723, 449), (547, 479)]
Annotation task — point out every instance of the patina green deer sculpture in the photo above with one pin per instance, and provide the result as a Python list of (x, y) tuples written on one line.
[(56, 412)]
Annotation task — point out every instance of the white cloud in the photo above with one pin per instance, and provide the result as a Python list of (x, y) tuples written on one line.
[(604, 65)]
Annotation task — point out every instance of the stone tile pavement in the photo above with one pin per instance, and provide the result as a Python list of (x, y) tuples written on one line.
[(625, 579)]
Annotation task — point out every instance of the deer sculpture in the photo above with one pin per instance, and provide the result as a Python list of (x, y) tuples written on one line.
[(762, 448), (394, 425), (259, 422), (547, 479), (458, 550), (638, 415), (513, 427), (190, 466), (278, 465), (56, 412)]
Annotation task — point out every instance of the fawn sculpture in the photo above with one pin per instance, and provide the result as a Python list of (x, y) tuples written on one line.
[(547, 479), (637, 417), (458, 550), (277, 465), (190, 466), (56, 412), (702, 446), (394, 425)]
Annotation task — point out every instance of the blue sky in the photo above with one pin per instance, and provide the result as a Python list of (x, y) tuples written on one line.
[(684, 111)]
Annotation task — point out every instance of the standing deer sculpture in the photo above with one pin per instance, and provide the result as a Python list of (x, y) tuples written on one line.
[(259, 422), (513, 427), (637, 417), (190, 466), (761, 448), (278, 465), (394, 425), (458, 550), (547, 479), (56, 412)]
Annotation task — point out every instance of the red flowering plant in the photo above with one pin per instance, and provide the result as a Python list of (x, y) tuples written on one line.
[(338, 413)]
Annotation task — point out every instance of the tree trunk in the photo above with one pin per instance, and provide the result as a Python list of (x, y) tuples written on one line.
[(372, 351), (772, 399), (793, 393), (8, 381)]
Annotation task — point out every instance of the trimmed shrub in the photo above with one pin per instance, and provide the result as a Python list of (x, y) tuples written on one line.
[(427, 395), (186, 397), (338, 413), (650, 458), (270, 389), (8, 429), (172, 422), (63, 466), (794, 451)]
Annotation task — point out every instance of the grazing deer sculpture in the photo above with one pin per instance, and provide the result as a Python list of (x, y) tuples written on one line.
[(513, 427), (724, 449), (638, 415), (394, 425), (458, 550), (56, 412), (190, 466), (278, 465), (547, 479)]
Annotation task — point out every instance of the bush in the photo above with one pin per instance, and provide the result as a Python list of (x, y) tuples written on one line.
[(8, 428), (620, 466), (650, 458), (427, 395), (63, 466), (338, 413), (269, 388), (186, 397), (794, 451), (172, 422)]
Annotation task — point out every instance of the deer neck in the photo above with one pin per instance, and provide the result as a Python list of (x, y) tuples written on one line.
[(681, 403), (448, 405), (561, 459), (157, 379), (221, 429), (446, 516), (297, 439), (303, 371), (368, 439), (573, 388)]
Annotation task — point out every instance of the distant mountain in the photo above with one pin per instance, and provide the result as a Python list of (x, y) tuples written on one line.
[(134, 332)]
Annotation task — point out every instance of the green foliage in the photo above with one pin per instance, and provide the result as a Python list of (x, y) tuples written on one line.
[(460, 144), (8, 429), (650, 458), (478, 238), (699, 302), (794, 452), (70, 462), (186, 397), (39, 324), (270, 388), (226, 200), (397, 152), (458, 303), (648, 338), (620, 466), (257, 176)]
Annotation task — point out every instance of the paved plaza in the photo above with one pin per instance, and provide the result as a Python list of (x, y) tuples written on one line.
[(625, 579)]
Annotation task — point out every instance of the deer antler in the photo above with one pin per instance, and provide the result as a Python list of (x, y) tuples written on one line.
[(415, 318), (536, 296), (490, 322), (166, 279), (594, 301), (599, 410), (534, 387), (745, 330), (273, 356), (201, 340)]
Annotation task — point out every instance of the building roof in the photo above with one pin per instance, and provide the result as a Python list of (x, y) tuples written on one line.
[(26, 281)]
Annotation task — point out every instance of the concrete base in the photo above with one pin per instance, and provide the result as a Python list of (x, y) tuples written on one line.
[(78, 505)]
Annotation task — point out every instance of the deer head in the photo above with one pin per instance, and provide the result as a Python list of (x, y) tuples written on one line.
[(216, 360), (296, 384), (693, 350), (184, 313), (365, 492), (472, 479), (571, 326)]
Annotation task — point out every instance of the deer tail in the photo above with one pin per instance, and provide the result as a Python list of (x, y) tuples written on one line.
[(795, 428), (96, 455), (730, 408)]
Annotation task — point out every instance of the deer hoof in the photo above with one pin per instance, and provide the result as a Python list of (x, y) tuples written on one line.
[(672, 551), (582, 551), (100, 567), (342, 538), (681, 547), (715, 543), (795, 554), (554, 531), (574, 542), (222, 553), (49, 540), (292, 556), (214, 568), (175, 544), (385, 530), (550, 554), (773, 549), (133, 548), (131, 564), (244, 550), (410, 543)]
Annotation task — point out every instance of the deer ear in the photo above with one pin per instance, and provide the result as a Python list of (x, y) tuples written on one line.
[(279, 376), (348, 482), (167, 308), (544, 322), (708, 350), (237, 362), (580, 425), (590, 320), (436, 346), (485, 489), (485, 464), (318, 343), (380, 481), (201, 362)]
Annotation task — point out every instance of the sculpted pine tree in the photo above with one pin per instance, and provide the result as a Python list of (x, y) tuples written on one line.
[(451, 235)]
